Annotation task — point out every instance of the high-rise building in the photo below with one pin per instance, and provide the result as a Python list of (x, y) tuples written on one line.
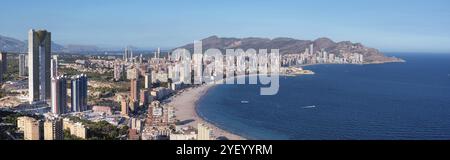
[(39, 51), (135, 90), (131, 58), (148, 81), (133, 106), (59, 95), (119, 72), (124, 106), (311, 49), (141, 59), (79, 93), (143, 69), (30, 128), (54, 67), (136, 124), (53, 129), (155, 114), (125, 55), (144, 97), (204, 132), (22, 64), (159, 53), (128, 55), (132, 73), (3, 64)]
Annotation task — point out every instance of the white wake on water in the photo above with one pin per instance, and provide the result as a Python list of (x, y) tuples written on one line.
[(309, 107)]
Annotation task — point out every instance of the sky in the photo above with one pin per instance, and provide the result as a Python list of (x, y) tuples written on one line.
[(389, 25)]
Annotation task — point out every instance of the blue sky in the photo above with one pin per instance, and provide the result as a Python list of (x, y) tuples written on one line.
[(400, 25)]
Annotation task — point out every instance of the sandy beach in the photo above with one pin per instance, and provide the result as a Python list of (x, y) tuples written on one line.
[(185, 111)]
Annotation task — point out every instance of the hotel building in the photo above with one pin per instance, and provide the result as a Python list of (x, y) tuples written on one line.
[(39, 51), (59, 95), (79, 93)]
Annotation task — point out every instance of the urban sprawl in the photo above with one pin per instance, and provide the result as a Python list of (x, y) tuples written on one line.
[(84, 97)]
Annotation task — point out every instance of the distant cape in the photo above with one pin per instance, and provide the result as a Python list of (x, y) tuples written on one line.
[(292, 46)]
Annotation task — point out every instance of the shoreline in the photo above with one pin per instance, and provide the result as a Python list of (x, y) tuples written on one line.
[(185, 104)]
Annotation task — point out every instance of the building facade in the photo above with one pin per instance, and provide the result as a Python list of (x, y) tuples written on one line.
[(135, 91), (204, 132), (39, 51), (54, 67), (53, 129), (3, 65), (59, 95), (124, 106), (22, 65), (148, 81), (79, 93), (30, 127)]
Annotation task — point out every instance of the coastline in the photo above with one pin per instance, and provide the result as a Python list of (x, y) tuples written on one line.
[(185, 105)]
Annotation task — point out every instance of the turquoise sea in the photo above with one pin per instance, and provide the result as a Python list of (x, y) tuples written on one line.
[(342, 102)]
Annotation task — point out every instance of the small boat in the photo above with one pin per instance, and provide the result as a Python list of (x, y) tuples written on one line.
[(245, 102), (309, 107)]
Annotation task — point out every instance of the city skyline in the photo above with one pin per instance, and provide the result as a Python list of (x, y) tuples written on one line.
[(389, 26)]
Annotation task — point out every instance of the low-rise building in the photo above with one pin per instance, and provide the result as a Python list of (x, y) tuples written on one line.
[(53, 129), (76, 129), (204, 132), (102, 109), (159, 93), (30, 127)]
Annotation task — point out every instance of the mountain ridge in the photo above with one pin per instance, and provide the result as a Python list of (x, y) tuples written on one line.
[(9, 44), (294, 46)]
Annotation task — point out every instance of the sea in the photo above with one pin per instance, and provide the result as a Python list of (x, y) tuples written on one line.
[(391, 101)]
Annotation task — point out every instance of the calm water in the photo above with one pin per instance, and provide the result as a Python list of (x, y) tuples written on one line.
[(388, 101)]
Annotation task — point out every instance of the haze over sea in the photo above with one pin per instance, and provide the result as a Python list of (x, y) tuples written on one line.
[(358, 102)]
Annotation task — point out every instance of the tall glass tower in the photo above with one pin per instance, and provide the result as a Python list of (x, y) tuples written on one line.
[(39, 51)]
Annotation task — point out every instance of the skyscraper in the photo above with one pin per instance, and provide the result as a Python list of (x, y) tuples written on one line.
[(3, 64), (22, 70), (159, 53), (131, 55), (204, 132), (134, 95), (79, 85), (119, 72), (59, 95), (148, 81), (144, 97), (125, 55), (39, 51), (141, 58), (124, 106), (54, 67), (128, 55)]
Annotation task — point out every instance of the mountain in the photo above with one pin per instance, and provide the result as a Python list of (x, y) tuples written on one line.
[(12, 45), (290, 46), (9, 44)]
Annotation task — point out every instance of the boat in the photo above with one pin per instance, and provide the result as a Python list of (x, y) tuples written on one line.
[(309, 107), (245, 102)]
